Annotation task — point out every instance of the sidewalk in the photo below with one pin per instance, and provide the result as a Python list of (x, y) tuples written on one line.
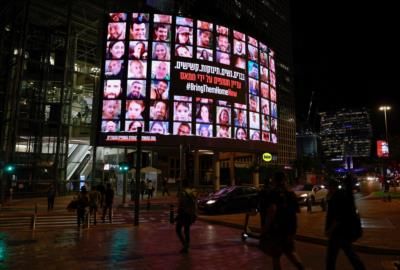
[(381, 220)]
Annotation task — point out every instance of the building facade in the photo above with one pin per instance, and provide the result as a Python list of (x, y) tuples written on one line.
[(345, 133), (50, 60)]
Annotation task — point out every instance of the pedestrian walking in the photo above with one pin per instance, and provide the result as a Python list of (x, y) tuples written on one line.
[(386, 189), (102, 190), (82, 206), (142, 188), (51, 196), (94, 203), (149, 189), (263, 197), (342, 225), (108, 203), (280, 225), (165, 186), (186, 216)]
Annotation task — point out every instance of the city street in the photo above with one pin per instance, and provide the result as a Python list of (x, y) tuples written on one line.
[(216, 241)]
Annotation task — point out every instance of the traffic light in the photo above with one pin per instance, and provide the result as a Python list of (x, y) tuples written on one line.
[(123, 167), (9, 168)]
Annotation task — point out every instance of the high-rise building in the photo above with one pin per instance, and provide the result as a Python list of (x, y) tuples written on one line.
[(51, 56), (345, 133)]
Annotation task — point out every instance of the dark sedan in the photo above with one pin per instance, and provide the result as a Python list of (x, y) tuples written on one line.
[(232, 199)]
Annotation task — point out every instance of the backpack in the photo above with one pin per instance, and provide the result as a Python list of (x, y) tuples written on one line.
[(188, 205)]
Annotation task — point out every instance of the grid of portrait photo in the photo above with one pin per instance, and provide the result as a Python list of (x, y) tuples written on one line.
[(141, 49)]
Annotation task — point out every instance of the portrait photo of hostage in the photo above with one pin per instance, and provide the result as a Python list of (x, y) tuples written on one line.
[(204, 25), (252, 53), (253, 87), (203, 113), (253, 103), (204, 54), (115, 50), (117, 17), (240, 118), (110, 126), (184, 21), (252, 41), (223, 131), (240, 133), (265, 106), (265, 136), (162, 32), (204, 130), (273, 94), (274, 110), (264, 74), (255, 135), (160, 70), (182, 111), (254, 120), (159, 90), (184, 35), (223, 58), (204, 100), (253, 69), (158, 127), (272, 64), (272, 79), (182, 129), (159, 110), (132, 126), (265, 125), (137, 69), (111, 109), (134, 109), (162, 18), (263, 58), (112, 89), (222, 30), (204, 38), (139, 31), (223, 44), (138, 50), (183, 51), (239, 47), (274, 125), (223, 116), (161, 51), (239, 35), (239, 62), (274, 138), (136, 89), (264, 90), (116, 31), (114, 69), (140, 17)]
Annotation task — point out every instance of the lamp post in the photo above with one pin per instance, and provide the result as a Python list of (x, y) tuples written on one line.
[(384, 109)]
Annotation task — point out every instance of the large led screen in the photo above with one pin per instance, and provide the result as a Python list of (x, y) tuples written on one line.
[(174, 75)]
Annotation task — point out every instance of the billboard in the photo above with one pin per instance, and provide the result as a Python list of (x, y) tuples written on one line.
[(179, 76), (382, 148)]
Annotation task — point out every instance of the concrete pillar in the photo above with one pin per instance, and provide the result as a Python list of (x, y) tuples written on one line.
[(256, 179), (196, 161), (217, 182)]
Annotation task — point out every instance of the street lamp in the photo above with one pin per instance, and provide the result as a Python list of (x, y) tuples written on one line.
[(384, 109)]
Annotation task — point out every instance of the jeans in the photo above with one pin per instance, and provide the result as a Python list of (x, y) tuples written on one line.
[(334, 245)]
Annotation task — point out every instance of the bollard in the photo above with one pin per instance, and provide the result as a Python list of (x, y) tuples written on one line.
[(171, 214), (309, 205), (87, 220), (34, 216)]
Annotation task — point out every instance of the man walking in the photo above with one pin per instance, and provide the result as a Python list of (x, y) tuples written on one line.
[(108, 203)]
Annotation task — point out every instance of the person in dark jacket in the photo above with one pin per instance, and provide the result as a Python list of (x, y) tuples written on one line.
[(339, 216), (51, 195), (108, 203), (82, 206)]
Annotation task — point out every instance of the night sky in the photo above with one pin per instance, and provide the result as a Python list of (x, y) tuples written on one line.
[(348, 54)]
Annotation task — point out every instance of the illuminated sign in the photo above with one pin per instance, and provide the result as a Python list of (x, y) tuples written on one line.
[(267, 157), (382, 148), (174, 75)]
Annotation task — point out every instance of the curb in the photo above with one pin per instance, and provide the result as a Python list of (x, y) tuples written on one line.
[(313, 240)]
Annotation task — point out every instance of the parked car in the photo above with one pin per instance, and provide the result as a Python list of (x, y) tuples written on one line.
[(232, 199), (309, 194)]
